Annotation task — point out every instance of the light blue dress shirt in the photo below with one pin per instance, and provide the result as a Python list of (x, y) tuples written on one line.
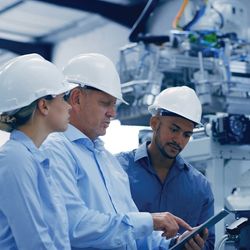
[(102, 214), (32, 212), (185, 192)]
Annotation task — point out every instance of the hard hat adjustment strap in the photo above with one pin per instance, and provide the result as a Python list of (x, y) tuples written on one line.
[(164, 112)]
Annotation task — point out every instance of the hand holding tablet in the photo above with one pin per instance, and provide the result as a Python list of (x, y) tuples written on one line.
[(198, 230)]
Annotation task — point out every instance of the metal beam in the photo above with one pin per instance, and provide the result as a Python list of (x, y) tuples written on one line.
[(124, 14), (75, 28), (21, 48), (11, 6)]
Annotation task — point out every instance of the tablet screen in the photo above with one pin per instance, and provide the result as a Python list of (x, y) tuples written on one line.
[(207, 224)]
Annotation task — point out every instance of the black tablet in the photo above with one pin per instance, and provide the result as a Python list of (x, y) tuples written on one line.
[(207, 224)]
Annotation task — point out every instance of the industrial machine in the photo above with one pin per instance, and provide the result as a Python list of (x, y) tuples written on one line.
[(204, 44), (238, 202)]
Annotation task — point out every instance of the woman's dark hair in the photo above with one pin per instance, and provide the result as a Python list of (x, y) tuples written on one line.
[(11, 122)]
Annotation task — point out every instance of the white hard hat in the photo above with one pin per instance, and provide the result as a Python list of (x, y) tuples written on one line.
[(182, 101), (94, 70), (27, 78)]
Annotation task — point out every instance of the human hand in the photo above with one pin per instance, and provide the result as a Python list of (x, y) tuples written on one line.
[(168, 223), (196, 243)]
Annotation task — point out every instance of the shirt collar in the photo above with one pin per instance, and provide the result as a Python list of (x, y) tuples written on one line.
[(22, 138), (181, 163), (74, 135), (142, 152)]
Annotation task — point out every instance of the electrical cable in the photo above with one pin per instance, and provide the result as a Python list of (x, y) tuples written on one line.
[(220, 15), (141, 21), (175, 23), (198, 14), (221, 242), (137, 32)]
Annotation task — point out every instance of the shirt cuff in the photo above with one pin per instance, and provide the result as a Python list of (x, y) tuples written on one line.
[(165, 244), (160, 242), (141, 222)]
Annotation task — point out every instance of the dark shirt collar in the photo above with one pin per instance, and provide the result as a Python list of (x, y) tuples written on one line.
[(142, 153)]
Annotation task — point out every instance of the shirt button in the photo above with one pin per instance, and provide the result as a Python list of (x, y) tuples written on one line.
[(118, 242)]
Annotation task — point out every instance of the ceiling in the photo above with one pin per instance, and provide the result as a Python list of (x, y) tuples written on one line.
[(28, 26)]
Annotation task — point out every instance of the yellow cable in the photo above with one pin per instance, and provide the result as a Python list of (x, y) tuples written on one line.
[(176, 20)]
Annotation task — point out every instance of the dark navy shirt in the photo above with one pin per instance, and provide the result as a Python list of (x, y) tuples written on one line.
[(185, 192)]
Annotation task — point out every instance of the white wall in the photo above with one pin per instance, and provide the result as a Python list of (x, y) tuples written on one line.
[(105, 39), (4, 136)]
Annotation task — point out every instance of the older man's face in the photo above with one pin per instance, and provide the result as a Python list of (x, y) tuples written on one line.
[(97, 110)]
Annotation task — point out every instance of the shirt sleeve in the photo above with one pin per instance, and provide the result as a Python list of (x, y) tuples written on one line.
[(90, 228), (20, 202), (156, 242)]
